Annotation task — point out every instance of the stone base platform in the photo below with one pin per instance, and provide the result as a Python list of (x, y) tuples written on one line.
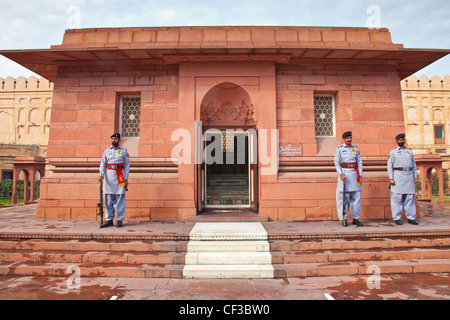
[(29, 246)]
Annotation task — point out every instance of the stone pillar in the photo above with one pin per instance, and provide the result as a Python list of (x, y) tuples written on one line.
[(14, 187), (32, 179), (430, 189), (441, 184), (25, 187), (423, 177)]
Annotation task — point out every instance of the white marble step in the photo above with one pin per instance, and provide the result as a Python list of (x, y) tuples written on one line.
[(228, 246), (205, 231), (228, 271), (221, 250), (222, 258)]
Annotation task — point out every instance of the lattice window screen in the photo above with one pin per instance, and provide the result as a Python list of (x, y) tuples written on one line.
[(227, 141), (324, 116), (131, 117)]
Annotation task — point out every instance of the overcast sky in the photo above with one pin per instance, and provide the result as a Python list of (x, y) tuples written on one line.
[(38, 24)]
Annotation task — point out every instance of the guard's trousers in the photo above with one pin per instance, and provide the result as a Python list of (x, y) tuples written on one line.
[(404, 202), (115, 203), (353, 202)]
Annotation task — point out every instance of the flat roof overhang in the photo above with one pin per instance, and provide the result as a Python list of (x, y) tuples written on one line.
[(46, 62)]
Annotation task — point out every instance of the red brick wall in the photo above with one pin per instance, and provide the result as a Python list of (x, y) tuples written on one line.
[(368, 102), (85, 102), (84, 116)]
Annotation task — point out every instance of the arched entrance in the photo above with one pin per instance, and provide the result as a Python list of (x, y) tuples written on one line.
[(227, 178), (29, 166)]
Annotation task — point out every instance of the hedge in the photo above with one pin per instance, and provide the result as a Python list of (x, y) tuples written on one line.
[(6, 188)]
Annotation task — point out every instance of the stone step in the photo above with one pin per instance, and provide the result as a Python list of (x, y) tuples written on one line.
[(361, 268), (162, 258), (91, 270), (349, 244), (106, 257), (357, 255), (181, 246), (92, 245), (232, 231), (229, 271), (228, 246), (227, 258)]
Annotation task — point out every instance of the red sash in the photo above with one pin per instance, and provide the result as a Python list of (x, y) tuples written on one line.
[(352, 165), (118, 168)]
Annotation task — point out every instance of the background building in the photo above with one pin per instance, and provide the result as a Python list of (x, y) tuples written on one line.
[(25, 108), (426, 104)]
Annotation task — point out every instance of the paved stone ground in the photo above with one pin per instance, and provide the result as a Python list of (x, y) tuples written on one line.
[(434, 286), (393, 287)]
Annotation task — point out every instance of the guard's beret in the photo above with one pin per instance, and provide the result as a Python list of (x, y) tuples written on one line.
[(400, 136), (346, 134), (116, 135)]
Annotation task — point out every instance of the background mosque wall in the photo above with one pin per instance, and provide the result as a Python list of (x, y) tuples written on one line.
[(25, 107), (426, 105)]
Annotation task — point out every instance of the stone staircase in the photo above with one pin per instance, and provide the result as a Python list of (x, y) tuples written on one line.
[(93, 258), (225, 250), (228, 250), (335, 257)]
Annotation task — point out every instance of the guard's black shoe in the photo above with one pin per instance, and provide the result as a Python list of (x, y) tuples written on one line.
[(119, 224), (413, 222), (107, 224), (344, 223), (398, 222), (357, 222)]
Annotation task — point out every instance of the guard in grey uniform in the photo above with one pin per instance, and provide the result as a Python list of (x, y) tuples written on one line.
[(348, 163), (115, 167), (402, 179)]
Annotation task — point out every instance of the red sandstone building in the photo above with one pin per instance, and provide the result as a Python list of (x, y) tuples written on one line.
[(284, 94)]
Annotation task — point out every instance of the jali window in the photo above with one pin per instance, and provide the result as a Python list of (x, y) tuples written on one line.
[(130, 110), (324, 116)]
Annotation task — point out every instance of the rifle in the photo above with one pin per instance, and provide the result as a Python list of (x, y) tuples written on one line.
[(344, 207), (100, 204)]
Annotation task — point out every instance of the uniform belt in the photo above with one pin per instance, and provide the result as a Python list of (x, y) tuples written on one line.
[(349, 165), (403, 169), (115, 166)]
